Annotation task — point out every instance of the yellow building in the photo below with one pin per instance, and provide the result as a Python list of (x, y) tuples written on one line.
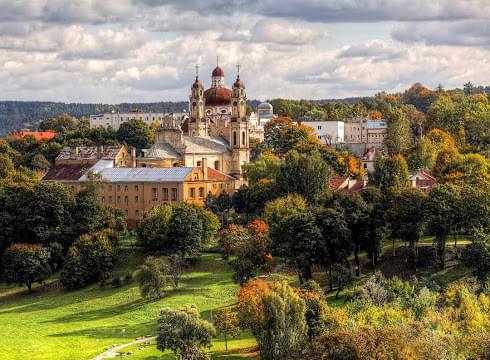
[(136, 190)]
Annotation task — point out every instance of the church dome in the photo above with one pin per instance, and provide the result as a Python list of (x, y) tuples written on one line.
[(218, 72), (217, 96), (239, 83), (197, 84), (265, 106)]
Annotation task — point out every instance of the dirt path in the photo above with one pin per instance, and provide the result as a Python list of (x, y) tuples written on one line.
[(114, 351)]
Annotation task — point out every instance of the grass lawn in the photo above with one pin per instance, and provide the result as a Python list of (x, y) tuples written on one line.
[(54, 324)]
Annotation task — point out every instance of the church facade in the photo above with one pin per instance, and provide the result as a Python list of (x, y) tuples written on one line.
[(217, 130)]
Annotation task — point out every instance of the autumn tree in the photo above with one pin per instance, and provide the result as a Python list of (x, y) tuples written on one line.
[(227, 323), (26, 264)]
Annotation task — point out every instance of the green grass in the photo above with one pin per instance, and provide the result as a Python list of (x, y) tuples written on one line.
[(54, 324)]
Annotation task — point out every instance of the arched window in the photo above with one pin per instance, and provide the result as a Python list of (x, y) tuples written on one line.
[(243, 137), (234, 138)]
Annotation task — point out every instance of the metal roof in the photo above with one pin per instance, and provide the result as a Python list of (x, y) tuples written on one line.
[(175, 174)]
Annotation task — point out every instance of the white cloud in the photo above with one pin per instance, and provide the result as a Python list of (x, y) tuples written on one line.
[(287, 33)]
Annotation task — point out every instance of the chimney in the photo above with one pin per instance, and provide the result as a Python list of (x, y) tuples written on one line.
[(133, 157), (205, 168)]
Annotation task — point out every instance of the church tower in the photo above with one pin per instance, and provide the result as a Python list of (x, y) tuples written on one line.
[(197, 122), (239, 137)]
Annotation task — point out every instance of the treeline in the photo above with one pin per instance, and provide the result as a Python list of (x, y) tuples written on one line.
[(15, 115)]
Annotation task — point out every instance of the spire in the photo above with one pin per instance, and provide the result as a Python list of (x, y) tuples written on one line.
[(238, 70), (197, 71)]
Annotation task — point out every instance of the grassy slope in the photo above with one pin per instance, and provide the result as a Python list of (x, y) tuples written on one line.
[(55, 324)]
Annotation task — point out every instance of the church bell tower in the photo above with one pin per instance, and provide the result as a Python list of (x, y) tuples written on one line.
[(197, 122), (239, 136)]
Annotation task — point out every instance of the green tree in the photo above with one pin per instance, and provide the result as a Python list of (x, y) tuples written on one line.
[(153, 277), (184, 332), (154, 227), (477, 256), (441, 210), (134, 133), (89, 258), (304, 174), (407, 217), (6, 166), (284, 328), (390, 173), (25, 264), (398, 135), (267, 166), (226, 322), (61, 123)]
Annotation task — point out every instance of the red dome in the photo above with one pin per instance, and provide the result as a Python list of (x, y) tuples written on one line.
[(218, 72), (217, 96), (197, 84), (239, 83)]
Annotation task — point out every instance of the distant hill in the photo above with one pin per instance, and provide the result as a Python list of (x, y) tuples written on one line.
[(16, 115)]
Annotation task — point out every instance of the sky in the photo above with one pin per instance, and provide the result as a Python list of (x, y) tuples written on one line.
[(112, 51)]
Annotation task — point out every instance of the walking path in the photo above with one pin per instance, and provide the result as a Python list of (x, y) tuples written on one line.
[(114, 351)]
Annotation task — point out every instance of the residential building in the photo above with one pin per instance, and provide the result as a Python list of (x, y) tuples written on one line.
[(330, 133), (137, 190), (422, 180), (115, 119), (361, 134)]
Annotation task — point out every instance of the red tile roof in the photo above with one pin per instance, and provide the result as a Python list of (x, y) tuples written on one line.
[(335, 182), (217, 175), (38, 135)]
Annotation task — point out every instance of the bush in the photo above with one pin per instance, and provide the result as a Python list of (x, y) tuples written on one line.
[(88, 259)]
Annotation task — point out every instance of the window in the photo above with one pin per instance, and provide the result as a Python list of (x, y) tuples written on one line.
[(221, 186), (201, 192), (126, 212), (154, 194), (174, 194), (234, 138), (136, 188), (110, 187), (199, 163), (319, 127), (214, 186), (125, 187), (243, 138), (118, 187), (110, 199), (136, 199), (165, 194), (118, 199), (192, 193), (216, 165), (103, 199), (137, 212), (126, 200)]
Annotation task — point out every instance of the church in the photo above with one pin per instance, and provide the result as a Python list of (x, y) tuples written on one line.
[(216, 132)]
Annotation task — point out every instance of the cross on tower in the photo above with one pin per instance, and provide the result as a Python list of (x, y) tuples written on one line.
[(238, 69), (197, 71)]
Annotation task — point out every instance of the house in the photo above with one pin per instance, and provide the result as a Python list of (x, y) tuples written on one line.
[(422, 180)]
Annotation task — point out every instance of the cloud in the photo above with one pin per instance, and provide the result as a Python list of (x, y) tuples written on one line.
[(283, 32), (459, 33), (374, 50)]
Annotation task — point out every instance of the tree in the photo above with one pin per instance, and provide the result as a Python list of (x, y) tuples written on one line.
[(25, 264), (407, 217), (61, 123), (267, 166), (441, 211), (304, 174), (226, 322), (6, 166), (153, 277), (40, 163), (134, 133), (284, 328), (184, 332), (88, 260), (154, 227), (398, 136), (477, 255), (390, 173), (250, 245)]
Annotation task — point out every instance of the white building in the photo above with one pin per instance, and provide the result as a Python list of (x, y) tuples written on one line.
[(115, 119), (328, 132), (258, 119)]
